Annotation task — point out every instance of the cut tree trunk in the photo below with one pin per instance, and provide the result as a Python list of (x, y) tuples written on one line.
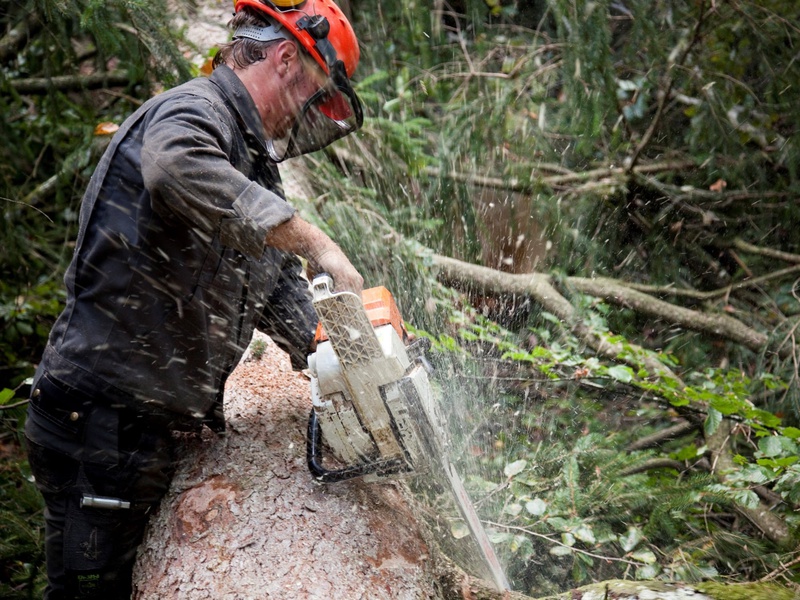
[(245, 519)]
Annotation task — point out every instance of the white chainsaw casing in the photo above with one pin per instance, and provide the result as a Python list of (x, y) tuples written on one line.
[(377, 384)]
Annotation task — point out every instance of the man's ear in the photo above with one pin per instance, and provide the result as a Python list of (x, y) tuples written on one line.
[(285, 55)]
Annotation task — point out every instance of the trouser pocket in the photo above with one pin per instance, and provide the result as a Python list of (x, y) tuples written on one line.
[(57, 412), (52, 471)]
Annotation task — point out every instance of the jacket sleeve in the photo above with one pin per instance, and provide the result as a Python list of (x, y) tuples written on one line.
[(289, 317), (188, 170)]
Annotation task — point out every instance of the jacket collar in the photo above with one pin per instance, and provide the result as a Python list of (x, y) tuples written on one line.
[(241, 101)]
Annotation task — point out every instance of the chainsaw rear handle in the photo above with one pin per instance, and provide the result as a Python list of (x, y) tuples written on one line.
[(320, 473)]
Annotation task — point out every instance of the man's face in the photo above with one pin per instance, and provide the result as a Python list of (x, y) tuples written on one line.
[(307, 80)]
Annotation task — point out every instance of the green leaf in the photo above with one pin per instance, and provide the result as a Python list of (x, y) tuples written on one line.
[(585, 534), (459, 529), (537, 507), (792, 433), (515, 468), (713, 420), (513, 509), (770, 446), (560, 551), (621, 373), (6, 395), (631, 539), (644, 555), (746, 498), (647, 572)]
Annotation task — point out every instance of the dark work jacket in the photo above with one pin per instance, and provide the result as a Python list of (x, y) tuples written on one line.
[(170, 274)]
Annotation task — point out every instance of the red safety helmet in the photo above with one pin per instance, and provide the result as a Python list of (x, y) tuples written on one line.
[(302, 20), (326, 34)]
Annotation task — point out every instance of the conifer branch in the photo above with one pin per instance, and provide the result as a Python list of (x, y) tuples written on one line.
[(667, 90), (16, 38), (740, 244)]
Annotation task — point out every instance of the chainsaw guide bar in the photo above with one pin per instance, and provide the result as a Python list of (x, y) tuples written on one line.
[(373, 406)]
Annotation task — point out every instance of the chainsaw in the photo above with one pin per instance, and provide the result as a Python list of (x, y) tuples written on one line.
[(373, 405)]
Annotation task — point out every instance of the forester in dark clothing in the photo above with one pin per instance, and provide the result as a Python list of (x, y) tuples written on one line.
[(185, 246)]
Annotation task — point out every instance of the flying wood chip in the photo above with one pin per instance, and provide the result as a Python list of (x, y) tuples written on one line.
[(106, 128), (718, 186)]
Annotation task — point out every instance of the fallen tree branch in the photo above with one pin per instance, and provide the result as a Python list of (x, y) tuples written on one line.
[(740, 244), (782, 569), (668, 290), (713, 324), (656, 463), (659, 437), (70, 83), (682, 194), (539, 287)]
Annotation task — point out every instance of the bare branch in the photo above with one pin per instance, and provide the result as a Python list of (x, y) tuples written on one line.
[(66, 83), (656, 463), (740, 244), (539, 287), (668, 290), (713, 324), (659, 437)]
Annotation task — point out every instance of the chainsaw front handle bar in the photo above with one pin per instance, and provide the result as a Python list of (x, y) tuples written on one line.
[(323, 475)]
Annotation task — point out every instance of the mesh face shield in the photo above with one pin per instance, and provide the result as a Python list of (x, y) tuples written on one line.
[(330, 114)]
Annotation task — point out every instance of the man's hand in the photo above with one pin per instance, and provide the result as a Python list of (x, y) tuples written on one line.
[(334, 262), (322, 253)]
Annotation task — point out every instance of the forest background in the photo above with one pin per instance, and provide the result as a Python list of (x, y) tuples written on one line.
[(591, 209)]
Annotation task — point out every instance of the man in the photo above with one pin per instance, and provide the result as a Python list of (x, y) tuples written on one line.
[(185, 245)]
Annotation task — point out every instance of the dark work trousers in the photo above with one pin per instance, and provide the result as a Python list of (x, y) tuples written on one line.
[(80, 449)]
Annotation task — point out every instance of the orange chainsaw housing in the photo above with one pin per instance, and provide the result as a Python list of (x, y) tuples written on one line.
[(381, 310)]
